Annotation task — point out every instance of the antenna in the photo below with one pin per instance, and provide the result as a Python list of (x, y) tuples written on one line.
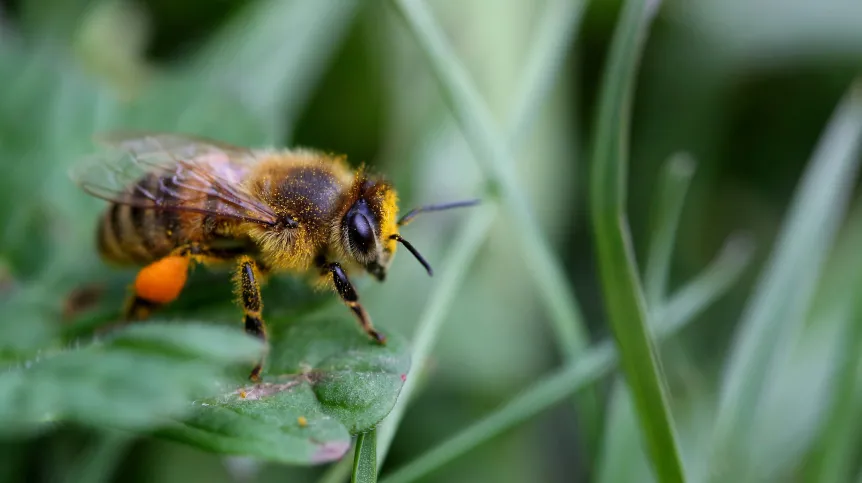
[(415, 252), (408, 217)]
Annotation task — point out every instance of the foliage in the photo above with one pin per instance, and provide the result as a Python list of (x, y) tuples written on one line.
[(323, 381), (726, 373)]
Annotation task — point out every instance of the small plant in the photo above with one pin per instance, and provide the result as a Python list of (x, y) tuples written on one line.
[(183, 376)]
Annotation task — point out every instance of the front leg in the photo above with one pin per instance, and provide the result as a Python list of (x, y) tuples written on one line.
[(351, 299), (252, 305)]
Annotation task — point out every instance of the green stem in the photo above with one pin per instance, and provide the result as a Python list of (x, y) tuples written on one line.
[(365, 458), (623, 295)]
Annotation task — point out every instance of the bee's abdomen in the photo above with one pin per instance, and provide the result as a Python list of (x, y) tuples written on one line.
[(134, 233)]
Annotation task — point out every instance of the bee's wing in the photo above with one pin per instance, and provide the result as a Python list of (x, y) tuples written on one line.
[(179, 145), (189, 171)]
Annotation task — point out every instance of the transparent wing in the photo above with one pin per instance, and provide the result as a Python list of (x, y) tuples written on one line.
[(173, 172)]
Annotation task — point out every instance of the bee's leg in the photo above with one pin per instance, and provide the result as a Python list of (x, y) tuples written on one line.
[(161, 281), (249, 292), (157, 284), (351, 299)]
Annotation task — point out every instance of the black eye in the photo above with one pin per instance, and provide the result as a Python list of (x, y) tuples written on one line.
[(360, 232)]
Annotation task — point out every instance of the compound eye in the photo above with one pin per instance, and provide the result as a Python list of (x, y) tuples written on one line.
[(360, 232)]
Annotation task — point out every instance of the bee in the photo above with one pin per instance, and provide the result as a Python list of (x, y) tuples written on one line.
[(177, 200)]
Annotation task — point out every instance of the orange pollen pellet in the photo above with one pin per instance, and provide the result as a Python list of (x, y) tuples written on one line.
[(162, 280), (243, 394), (302, 421)]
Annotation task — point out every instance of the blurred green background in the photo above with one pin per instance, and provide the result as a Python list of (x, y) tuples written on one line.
[(745, 87)]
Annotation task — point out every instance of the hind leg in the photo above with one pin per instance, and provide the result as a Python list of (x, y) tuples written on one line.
[(161, 281), (157, 284)]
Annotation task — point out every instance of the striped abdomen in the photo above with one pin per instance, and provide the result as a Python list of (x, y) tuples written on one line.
[(139, 233)]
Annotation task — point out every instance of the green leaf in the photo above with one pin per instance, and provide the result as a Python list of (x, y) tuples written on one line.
[(365, 461), (121, 380), (185, 340), (775, 314), (277, 422), (623, 295), (323, 381)]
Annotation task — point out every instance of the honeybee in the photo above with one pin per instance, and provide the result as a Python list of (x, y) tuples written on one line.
[(178, 200)]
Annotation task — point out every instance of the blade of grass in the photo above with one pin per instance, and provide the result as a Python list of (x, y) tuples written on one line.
[(490, 151), (621, 454), (715, 280), (622, 458), (593, 364), (554, 35), (624, 299), (673, 184), (492, 154), (455, 269), (698, 293), (832, 456), (337, 473), (99, 463), (365, 460), (777, 311), (556, 31), (586, 369)]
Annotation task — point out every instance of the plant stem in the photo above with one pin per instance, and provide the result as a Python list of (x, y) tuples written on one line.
[(623, 295), (365, 459)]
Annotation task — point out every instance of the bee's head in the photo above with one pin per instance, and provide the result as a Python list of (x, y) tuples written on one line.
[(369, 229), (366, 228)]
